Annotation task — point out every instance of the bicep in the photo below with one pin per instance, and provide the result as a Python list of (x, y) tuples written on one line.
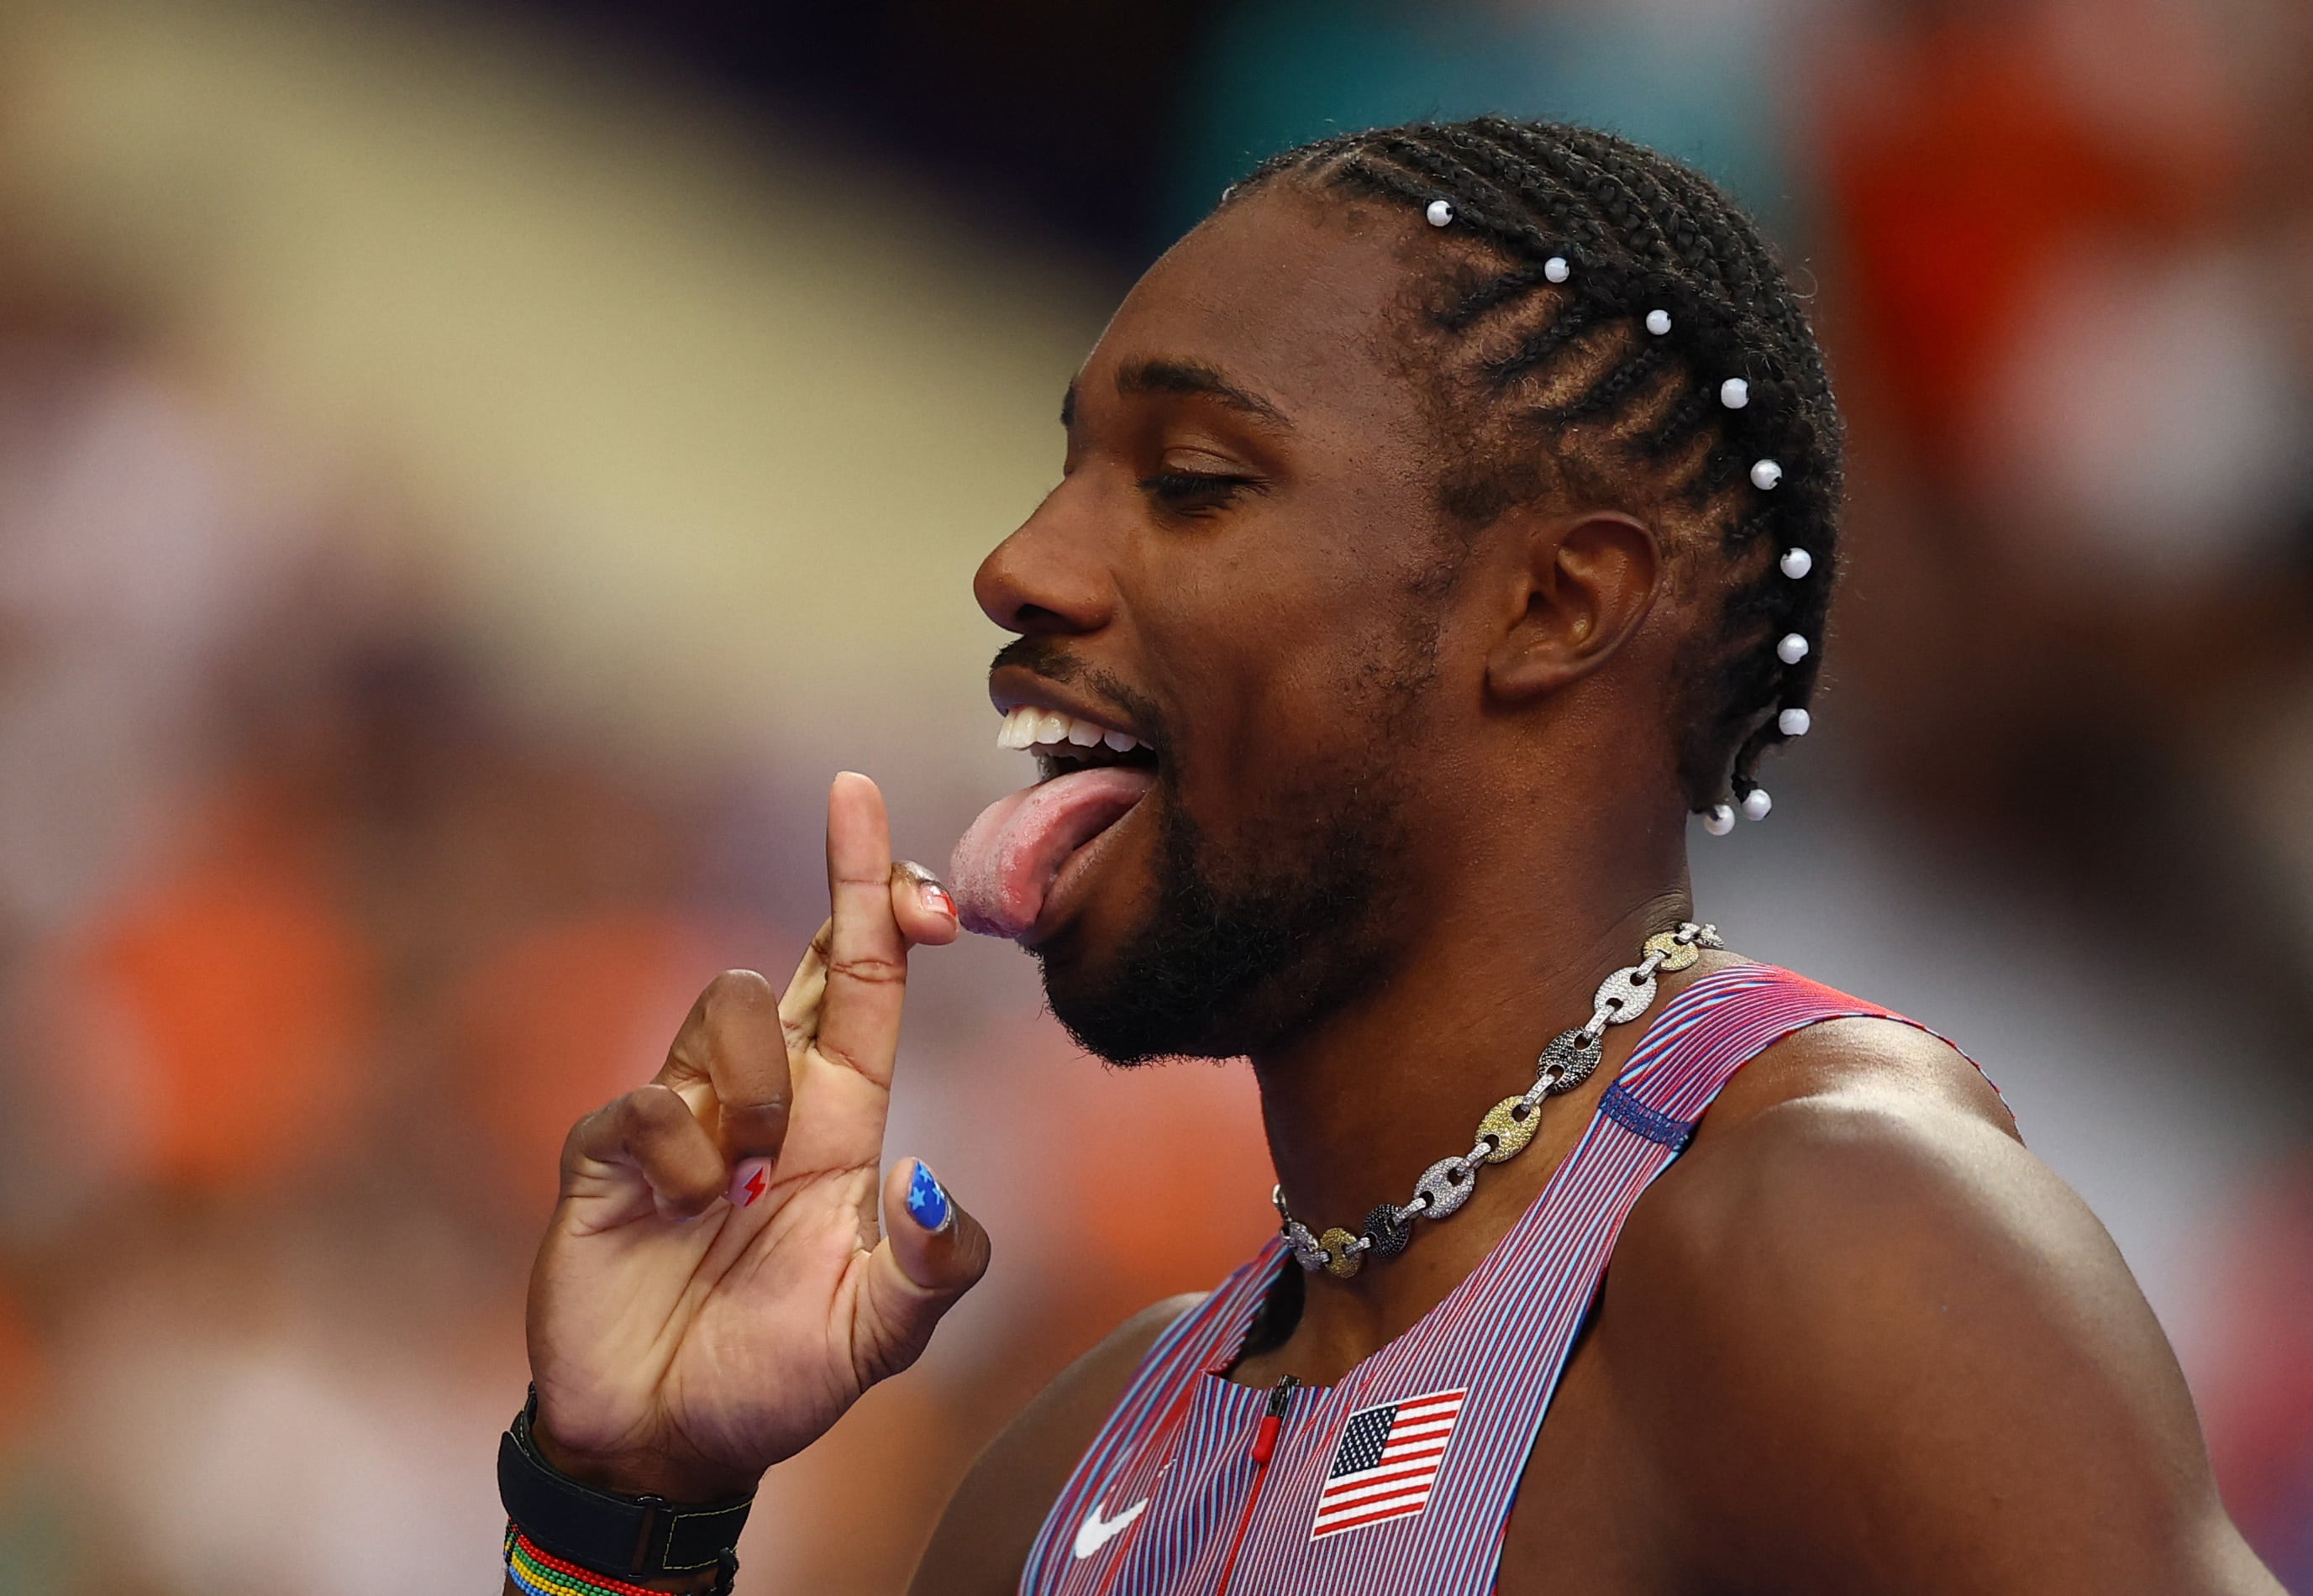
[(1921, 1365), (981, 1546)]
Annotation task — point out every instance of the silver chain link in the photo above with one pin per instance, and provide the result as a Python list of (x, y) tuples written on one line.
[(1565, 1064)]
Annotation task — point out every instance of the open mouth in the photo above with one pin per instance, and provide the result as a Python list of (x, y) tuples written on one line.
[(1065, 743), (1090, 775)]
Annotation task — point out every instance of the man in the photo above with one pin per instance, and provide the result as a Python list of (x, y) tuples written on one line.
[(1443, 520)]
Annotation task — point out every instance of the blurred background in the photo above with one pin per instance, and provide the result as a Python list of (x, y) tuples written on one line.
[(469, 473)]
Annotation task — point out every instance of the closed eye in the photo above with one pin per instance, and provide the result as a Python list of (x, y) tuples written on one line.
[(1195, 493)]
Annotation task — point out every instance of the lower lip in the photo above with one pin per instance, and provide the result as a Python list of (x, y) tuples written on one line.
[(1069, 883)]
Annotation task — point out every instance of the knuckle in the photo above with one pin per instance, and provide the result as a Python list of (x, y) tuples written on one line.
[(740, 1007), (739, 990), (768, 1114), (649, 1108), (581, 1136), (849, 1060), (873, 969)]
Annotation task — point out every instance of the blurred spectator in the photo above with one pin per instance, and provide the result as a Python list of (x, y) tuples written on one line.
[(323, 909), (1972, 152), (1696, 78)]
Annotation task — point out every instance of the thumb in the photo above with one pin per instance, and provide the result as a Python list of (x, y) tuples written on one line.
[(932, 1252)]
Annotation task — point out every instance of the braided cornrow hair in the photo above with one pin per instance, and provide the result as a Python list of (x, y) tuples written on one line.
[(1561, 365)]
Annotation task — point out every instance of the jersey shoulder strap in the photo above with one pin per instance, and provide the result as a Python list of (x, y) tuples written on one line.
[(1717, 1025)]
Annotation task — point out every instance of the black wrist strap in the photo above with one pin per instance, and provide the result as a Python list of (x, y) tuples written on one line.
[(604, 1530)]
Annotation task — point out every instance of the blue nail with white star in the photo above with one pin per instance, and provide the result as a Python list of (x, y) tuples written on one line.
[(927, 1203)]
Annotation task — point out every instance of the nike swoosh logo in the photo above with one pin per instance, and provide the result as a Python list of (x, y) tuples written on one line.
[(1097, 1531)]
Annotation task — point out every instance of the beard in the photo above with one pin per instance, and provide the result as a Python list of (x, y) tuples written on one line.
[(1245, 948), (1237, 957)]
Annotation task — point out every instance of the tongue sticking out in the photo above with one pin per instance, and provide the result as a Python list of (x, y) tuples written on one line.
[(1006, 863)]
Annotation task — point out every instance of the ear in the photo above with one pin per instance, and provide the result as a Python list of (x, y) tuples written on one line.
[(1577, 587)]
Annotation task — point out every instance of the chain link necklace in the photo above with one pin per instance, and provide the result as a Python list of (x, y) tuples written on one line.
[(1510, 1124)]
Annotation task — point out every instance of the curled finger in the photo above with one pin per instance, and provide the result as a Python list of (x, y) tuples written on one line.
[(732, 1045), (653, 1132)]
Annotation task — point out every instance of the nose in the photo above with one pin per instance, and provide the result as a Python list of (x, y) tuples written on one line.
[(1052, 576)]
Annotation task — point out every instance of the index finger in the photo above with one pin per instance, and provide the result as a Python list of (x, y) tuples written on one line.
[(866, 954), (921, 903)]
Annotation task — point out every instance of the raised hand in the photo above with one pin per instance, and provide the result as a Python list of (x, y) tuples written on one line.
[(715, 1289)]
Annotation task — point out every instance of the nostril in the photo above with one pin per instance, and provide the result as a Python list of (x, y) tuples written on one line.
[(1047, 579)]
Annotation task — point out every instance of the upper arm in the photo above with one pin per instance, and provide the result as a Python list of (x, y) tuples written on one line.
[(1877, 1345), (981, 1546)]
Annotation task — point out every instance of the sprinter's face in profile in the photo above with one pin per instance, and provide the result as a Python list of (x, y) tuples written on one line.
[(1236, 657)]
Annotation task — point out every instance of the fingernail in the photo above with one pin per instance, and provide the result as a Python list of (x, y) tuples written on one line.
[(935, 899), (749, 1179), (927, 1203)]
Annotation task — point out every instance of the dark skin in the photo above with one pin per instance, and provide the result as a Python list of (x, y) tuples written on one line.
[(1856, 1339)]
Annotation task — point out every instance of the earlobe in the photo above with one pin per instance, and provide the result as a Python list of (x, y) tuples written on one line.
[(1577, 590)]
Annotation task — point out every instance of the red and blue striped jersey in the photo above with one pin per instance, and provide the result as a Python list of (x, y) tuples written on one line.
[(1400, 1477)]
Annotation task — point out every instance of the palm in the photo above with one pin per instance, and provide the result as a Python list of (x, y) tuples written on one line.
[(696, 1352)]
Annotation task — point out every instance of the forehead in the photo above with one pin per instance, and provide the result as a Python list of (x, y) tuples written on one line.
[(1293, 296)]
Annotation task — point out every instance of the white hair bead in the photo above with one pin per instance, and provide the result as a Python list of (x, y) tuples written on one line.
[(1734, 393), (1796, 563), (1794, 722), (1719, 821), (1756, 804), (1792, 649), (1765, 474), (1556, 269), (1441, 213), (1659, 322)]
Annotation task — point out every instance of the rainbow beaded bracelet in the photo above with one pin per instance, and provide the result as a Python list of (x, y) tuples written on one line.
[(538, 1572)]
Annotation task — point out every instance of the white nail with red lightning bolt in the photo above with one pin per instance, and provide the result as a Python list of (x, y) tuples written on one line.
[(749, 1179)]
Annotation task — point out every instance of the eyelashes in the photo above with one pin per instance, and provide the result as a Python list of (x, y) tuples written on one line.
[(1195, 493)]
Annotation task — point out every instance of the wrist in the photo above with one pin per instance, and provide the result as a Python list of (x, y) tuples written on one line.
[(634, 1473), (571, 1533)]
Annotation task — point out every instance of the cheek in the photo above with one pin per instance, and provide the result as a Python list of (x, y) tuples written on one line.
[(1291, 684)]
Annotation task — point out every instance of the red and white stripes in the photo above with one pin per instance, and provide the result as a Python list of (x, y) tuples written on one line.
[(1452, 1406)]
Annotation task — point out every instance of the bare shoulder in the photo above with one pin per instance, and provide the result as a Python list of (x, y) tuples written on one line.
[(982, 1540), (1873, 1343)]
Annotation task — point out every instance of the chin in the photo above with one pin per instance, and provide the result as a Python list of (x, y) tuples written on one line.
[(1209, 952), (1192, 990), (1089, 991)]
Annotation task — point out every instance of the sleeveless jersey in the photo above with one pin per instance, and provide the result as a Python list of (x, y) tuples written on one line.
[(1399, 1477)]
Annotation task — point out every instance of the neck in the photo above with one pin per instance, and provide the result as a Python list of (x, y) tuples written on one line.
[(1504, 958)]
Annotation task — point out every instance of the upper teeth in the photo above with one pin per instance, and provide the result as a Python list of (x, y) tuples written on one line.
[(1030, 727)]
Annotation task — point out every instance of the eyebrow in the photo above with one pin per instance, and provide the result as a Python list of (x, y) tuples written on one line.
[(1183, 377)]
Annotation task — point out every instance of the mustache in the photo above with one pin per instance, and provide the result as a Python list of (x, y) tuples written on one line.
[(1052, 659), (1047, 657)]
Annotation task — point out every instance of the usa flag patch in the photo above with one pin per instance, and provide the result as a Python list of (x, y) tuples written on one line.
[(1387, 1462)]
